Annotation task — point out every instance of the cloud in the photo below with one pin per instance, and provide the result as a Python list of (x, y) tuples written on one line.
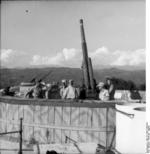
[(67, 57), (5, 55), (12, 58), (131, 58), (73, 58), (103, 56)]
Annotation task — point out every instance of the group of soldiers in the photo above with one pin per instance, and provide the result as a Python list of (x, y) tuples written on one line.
[(106, 90), (67, 90)]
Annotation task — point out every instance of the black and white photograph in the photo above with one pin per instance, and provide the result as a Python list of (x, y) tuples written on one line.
[(74, 77)]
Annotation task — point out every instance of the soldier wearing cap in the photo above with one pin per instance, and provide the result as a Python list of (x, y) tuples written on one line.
[(63, 88), (103, 94), (71, 91), (111, 87)]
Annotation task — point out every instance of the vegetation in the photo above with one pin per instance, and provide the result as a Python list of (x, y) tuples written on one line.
[(127, 85), (123, 79)]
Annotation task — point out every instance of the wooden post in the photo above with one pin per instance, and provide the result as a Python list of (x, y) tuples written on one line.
[(20, 133), (107, 112)]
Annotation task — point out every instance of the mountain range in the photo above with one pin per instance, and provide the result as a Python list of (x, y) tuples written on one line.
[(14, 76)]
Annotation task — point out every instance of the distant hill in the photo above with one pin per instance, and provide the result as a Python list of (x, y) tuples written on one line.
[(11, 77)]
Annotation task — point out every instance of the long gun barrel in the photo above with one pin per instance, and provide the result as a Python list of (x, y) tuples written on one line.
[(34, 79), (45, 76), (85, 57), (91, 74)]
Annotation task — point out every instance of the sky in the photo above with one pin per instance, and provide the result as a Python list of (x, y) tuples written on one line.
[(47, 33)]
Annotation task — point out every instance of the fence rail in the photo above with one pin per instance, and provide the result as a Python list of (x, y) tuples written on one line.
[(60, 102)]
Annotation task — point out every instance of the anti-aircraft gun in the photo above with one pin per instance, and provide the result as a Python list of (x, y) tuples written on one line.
[(27, 86), (88, 77)]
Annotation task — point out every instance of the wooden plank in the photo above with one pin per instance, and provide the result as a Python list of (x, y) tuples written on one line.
[(51, 115), (89, 117), (82, 136), (21, 111), (27, 133), (102, 117), (83, 117), (66, 116), (28, 114), (44, 114), (95, 137), (58, 122), (61, 122), (58, 116), (111, 139), (3, 115), (54, 135), (2, 109), (9, 128), (107, 111), (89, 136), (96, 118), (102, 138), (64, 134), (58, 136), (43, 135), (15, 128), (37, 115), (111, 118), (40, 134), (49, 135), (74, 116), (12, 112), (37, 134), (74, 135)]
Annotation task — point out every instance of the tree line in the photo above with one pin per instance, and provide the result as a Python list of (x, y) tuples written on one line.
[(122, 84)]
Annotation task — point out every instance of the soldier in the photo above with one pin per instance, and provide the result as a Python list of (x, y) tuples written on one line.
[(7, 91), (134, 95), (63, 88), (37, 91), (54, 91), (71, 91), (111, 88), (82, 92), (48, 89), (103, 94)]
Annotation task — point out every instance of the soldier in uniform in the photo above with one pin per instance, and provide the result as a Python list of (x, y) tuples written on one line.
[(63, 88), (111, 87), (71, 91)]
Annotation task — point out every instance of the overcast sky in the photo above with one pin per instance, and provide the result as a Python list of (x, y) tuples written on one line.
[(48, 33)]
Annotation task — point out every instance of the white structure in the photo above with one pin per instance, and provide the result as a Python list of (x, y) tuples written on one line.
[(131, 132)]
